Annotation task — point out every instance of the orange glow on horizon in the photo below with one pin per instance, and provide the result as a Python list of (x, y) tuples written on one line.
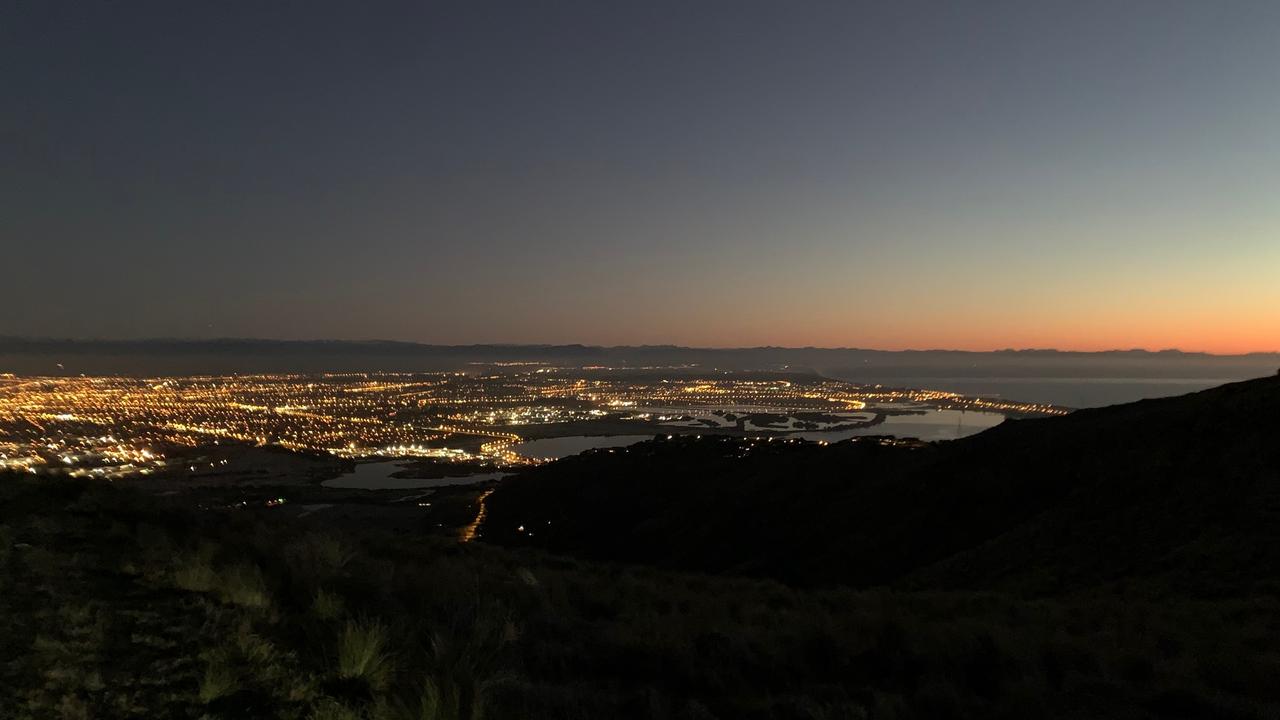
[(1202, 332)]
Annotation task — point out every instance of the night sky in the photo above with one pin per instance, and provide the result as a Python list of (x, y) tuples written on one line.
[(1082, 175)]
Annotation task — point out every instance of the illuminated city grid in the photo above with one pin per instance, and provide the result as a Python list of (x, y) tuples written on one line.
[(117, 426)]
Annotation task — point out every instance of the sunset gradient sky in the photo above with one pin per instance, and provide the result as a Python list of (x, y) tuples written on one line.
[(1082, 175)]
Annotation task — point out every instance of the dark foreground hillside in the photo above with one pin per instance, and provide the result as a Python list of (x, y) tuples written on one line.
[(1178, 495), (118, 605)]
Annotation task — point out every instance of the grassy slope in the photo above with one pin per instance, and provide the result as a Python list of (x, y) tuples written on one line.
[(118, 605)]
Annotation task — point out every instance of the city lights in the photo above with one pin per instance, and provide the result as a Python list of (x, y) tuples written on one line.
[(117, 426)]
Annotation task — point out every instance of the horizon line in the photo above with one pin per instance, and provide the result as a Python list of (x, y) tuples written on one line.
[(533, 345)]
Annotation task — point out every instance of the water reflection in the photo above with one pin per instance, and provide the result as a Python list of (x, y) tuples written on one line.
[(556, 448), (932, 425)]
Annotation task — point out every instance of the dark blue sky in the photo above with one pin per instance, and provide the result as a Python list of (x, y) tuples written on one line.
[(897, 174)]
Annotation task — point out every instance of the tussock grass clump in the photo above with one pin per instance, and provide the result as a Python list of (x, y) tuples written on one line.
[(333, 710), (239, 584), (242, 584), (219, 680), (247, 663), (251, 648), (437, 701), (332, 553), (318, 558), (194, 571), (327, 605), (362, 653), (441, 702), (465, 657)]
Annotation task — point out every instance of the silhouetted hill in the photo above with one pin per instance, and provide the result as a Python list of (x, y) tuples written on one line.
[(238, 355), (1178, 493)]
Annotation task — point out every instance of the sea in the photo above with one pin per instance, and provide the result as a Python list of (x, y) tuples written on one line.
[(1067, 391)]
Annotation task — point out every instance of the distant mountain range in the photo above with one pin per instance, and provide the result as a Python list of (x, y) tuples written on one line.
[(176, 356), (1178, 494)]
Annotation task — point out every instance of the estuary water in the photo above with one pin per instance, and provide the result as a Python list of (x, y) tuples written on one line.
[(556, 448), (931, 425), (377, 476)]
